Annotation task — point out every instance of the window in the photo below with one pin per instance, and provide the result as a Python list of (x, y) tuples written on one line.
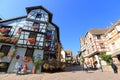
[(102, 45), (118, 28), (36, 24), (114, 46), (38, 16), (98, 36), (49, 33), (29, 52), (5, 49)]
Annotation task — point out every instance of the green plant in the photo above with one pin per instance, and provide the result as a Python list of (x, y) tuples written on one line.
[(1, 55), (37, 62), (3, 65), (106, 58), (82, 59)]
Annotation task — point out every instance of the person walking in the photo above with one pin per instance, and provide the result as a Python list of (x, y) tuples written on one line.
[(114, 67)]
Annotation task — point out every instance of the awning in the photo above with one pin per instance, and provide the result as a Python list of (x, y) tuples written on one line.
[(115, 54)]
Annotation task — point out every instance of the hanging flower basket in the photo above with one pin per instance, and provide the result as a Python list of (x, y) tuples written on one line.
[(31, 40), (46, 66), (35, 27)]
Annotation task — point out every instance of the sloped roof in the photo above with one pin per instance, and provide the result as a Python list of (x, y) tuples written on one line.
[(13, 19), (98, 31), (68, 51), (113, 26)]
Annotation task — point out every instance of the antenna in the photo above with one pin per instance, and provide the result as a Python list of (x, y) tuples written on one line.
[(111, 23)]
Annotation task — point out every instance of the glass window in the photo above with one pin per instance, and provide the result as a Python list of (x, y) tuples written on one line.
[(98, 36), (5, 49), (29, 52), (36, 24)]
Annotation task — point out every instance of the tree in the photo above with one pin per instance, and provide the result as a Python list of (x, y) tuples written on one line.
[(106, 58)]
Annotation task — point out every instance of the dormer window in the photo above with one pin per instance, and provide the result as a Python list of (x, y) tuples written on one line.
[(38, 15), (98, 36)]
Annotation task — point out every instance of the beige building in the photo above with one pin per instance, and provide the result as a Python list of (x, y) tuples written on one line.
[(113, 39), (93, 44), (68, 56)]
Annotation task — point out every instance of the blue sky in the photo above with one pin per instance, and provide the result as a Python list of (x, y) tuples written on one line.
[(74, 17)]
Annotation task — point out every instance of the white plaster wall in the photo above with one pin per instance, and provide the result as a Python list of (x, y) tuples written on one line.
[(21, 53)]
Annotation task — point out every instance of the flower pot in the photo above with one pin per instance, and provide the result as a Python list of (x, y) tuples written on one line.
[(34, 70)]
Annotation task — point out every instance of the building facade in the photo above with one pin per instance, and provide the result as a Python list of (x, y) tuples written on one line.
[(113, 39), (92, 45), (34, 35)]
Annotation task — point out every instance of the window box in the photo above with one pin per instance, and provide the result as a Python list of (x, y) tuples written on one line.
[(31, 40), (35, 27), (4, 30), (47, 48)]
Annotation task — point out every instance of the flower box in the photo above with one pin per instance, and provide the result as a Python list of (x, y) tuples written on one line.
[(4, 30), (31, 40), (48, 37), (47, 48), (35, 27)]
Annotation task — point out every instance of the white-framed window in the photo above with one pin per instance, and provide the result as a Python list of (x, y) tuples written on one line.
[(118, 28)]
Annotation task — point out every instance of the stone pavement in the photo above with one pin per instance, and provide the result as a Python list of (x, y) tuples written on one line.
[(72, 73)]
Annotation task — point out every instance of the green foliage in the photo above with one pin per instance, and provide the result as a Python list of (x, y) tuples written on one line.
[(82, 59), (37, 62), (106, 58)]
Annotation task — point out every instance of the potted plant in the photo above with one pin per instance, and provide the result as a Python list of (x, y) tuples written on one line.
[(37, 61), (1, 55), (46, 66)]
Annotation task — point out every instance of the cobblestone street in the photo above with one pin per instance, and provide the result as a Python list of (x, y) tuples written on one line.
[(73, 73)]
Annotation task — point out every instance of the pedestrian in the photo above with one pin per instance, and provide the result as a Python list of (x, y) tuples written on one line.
[(24, 69), (114, 67), (85, 68)]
